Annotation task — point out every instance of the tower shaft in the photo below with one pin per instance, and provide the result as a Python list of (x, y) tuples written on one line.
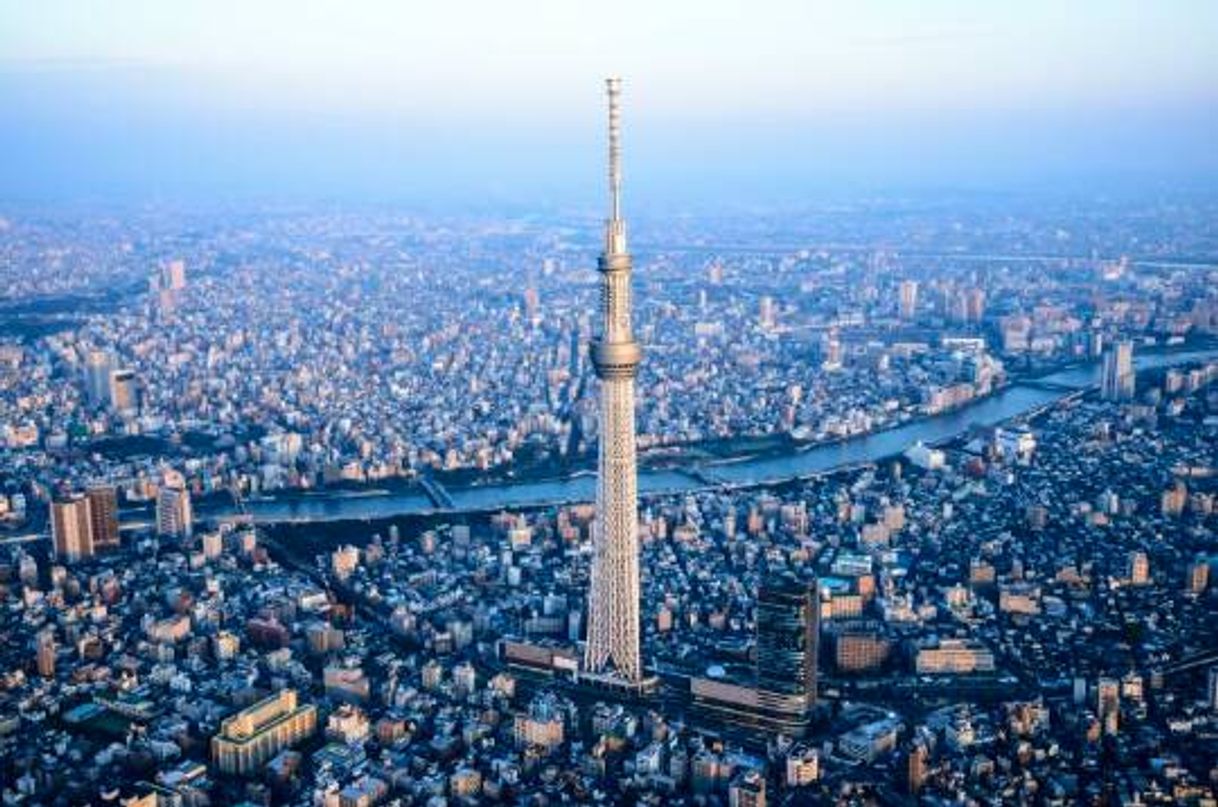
[(613, 596)]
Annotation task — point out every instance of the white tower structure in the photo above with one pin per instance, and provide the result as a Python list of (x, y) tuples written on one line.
[(612, 651)]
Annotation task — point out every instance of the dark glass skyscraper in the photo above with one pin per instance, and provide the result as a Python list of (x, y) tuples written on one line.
[(103, 515), (787, 626)]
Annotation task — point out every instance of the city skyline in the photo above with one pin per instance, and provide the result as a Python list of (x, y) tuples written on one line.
[(346, 460)]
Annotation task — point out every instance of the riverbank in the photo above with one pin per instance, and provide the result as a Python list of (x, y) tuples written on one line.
[(1013, 402)]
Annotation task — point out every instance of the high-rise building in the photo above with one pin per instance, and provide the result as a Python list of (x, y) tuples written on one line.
[(1172, 500), (173, 275), (248, 739), (974, 305), (1211, 689), (98, 367), (103, 516), (766, 316), (44, 646), (1117, 379), (532, 302), (1108, 704), (613, 595), (831, 351), (1198, 577), (915, 767), (908, 302), (124, 391), (72, 528), (1095, 344), (174, 516), (1139, 568), (787, 628)]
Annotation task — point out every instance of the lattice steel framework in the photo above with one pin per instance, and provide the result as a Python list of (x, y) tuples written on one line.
[(613, 594)]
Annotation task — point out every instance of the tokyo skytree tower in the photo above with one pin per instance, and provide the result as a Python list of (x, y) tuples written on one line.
[(613, 595)]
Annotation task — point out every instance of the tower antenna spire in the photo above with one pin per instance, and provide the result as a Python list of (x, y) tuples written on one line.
[(616, 230)]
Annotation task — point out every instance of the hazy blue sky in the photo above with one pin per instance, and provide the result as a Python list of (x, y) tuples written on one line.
[(458, 99)]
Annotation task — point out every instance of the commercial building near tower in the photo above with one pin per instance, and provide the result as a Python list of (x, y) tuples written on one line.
[(783, 696), (787, 633)]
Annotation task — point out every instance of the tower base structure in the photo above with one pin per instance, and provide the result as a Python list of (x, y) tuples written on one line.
[(648, 684)]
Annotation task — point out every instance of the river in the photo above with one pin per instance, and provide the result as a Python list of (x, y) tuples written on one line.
[(1012, 402)]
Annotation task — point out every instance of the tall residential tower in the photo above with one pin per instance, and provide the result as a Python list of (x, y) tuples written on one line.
[(1117, 379), (613, 596)]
